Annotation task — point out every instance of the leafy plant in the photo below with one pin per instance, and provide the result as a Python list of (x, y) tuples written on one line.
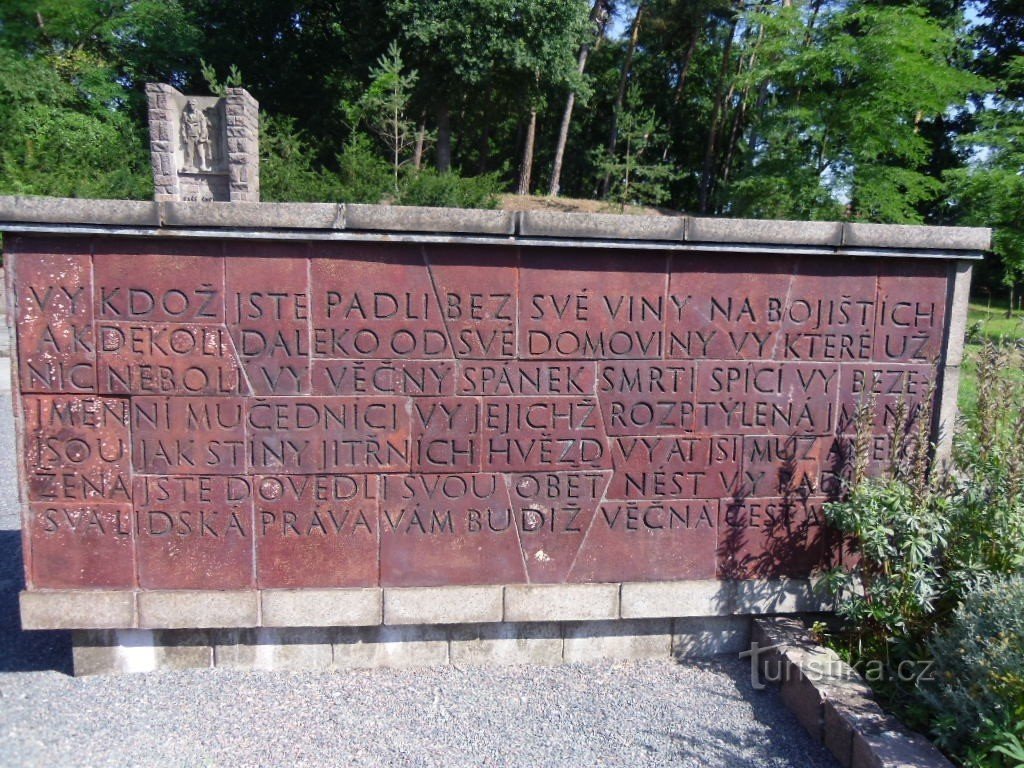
[(978, 686), (429, 187)]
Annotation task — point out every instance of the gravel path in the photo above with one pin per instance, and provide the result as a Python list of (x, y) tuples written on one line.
[(656, 713)]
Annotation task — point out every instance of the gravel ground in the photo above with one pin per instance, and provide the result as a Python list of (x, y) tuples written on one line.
[(656, 713)]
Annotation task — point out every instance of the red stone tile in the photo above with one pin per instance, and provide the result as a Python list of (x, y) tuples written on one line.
[(723, 309), (771, 537), (883, 387), (375, 301), (268, 315), (446, 434), (81, 546), (77, 448), (448, 529), (513, 378), (766, 397), (188, 435), (168, 359), (554, 511), (665, 468), (317, 530), (786, 467), (411, 378), (771, 308), (591, 305), (158, 281), (54, 317), (194, 532), (911, 311), (650, 541), (478, 298), (647, 398), (551, 434), (312, 435)]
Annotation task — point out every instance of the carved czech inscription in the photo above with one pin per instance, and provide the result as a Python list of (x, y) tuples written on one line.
[(226, 415)]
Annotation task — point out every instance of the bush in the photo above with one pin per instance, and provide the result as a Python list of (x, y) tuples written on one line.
[(449, 190), (978, 675)]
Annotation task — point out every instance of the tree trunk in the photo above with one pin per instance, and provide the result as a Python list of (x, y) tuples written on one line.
[(627, 66), (716, 113), (677, 97), (444, 138), (526, 167), (421, 138), (597, 14)]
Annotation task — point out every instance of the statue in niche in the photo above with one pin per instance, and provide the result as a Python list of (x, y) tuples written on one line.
[(195, 138)]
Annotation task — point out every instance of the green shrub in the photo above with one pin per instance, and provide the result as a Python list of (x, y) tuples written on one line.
[(363, 177), (978, 685), (449, 190)]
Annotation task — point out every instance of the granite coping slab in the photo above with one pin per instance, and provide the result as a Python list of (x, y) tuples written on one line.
[(50, 214)]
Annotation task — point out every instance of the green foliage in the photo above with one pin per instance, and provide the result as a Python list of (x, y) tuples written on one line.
[(978, 687), (898, 534), (430, 187), (638, 175), (287, 172), (384, 105), (848, 99), (217, 86), (362, 175), (932, 539), (56, 138)]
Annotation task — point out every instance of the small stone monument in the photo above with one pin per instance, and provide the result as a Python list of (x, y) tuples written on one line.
[(204, 148)]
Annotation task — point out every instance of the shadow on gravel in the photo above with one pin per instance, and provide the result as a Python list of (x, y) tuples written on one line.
[(788, 744), (24, 651)]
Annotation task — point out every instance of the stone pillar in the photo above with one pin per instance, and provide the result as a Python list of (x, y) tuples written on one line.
[(162, 143), (243, 142), (204, 148)]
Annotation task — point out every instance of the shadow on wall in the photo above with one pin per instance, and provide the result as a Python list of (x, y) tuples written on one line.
[(24, 651)]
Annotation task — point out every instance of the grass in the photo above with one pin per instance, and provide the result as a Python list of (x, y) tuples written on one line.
[(985, 322)]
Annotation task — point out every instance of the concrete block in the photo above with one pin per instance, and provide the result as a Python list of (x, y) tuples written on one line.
[(402, 647), (421, 219), (804, 700), (201, 609), (73, 210), (780, 596), (442, 605), (847, 713), (635, 639), (87, 609), (506, 643), (253, 215), (561, 602), (601, 226), (765, 231), (105, 652), (917, 237), (321, 607), (669, 599), (699, 638), (291, 649), (961, 297), (897, 748), (780, 631)]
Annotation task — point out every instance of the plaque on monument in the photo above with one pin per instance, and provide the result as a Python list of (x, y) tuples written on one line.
[(240, 415)]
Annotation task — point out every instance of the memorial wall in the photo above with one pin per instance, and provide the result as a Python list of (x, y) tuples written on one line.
[(244, 409)]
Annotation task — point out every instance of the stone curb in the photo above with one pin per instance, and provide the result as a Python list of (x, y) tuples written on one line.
[(393, 606), (832, 701), (337, 217)]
